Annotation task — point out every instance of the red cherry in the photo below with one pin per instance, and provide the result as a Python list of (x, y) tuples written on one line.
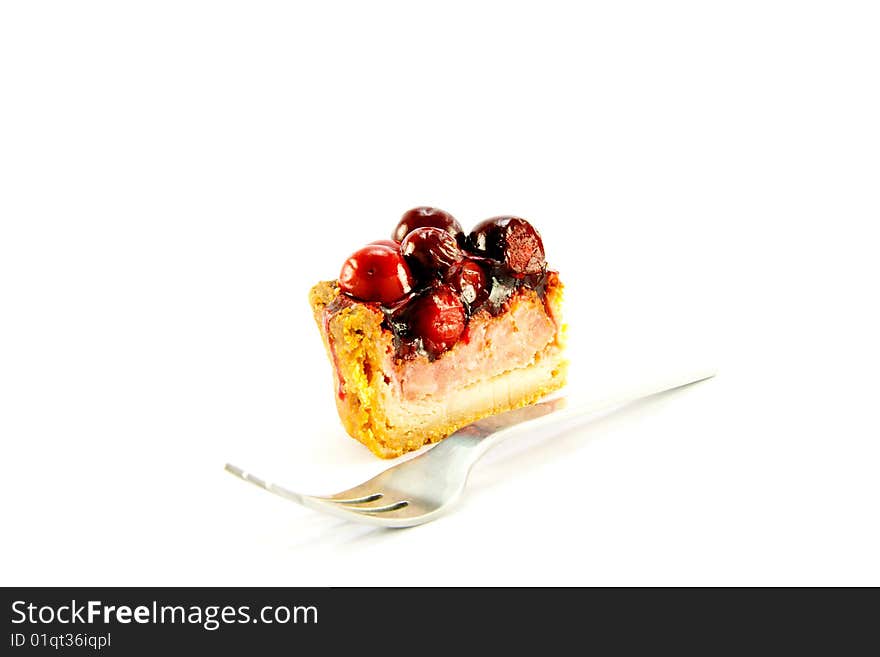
[(438, 318), (376, 273), (430, 251), (469, 280), (425, 217), (511, 240)]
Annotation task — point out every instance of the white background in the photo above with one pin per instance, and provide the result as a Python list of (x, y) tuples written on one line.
[(174, 176)]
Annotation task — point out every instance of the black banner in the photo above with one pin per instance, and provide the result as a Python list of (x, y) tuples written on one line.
[(125, 621)]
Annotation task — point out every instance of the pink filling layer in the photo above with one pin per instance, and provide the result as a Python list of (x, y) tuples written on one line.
[(492, 346)]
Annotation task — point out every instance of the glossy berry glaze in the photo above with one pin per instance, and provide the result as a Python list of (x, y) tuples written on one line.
[(431, 278)]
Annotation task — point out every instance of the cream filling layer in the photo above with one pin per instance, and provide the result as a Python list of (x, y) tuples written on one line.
[(460, 405)]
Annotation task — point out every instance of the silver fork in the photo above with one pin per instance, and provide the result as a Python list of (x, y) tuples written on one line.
[(424, 487)]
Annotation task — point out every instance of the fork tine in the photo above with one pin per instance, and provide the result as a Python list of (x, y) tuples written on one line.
[(363, 499), (393, 506), (345, 498), (344, 505), (265, 485)]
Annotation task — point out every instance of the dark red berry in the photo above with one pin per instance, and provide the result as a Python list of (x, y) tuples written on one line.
[(425, 217), (511, 240), (376, 273), (430, 252), (468, 279), (438, 318)]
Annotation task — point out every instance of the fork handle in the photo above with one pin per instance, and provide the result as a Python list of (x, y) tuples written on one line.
[(485, 434)]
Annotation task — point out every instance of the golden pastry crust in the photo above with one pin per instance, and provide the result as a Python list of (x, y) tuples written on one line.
[(360, 349)]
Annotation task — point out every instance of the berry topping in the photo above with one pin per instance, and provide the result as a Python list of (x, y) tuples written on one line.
[(437, 318), (469, 280), (376, 273), (430, 252), (425, 217), (510, 240), (431, 279)]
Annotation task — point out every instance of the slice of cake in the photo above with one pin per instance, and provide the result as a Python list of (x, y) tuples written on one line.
[(433, 330)]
